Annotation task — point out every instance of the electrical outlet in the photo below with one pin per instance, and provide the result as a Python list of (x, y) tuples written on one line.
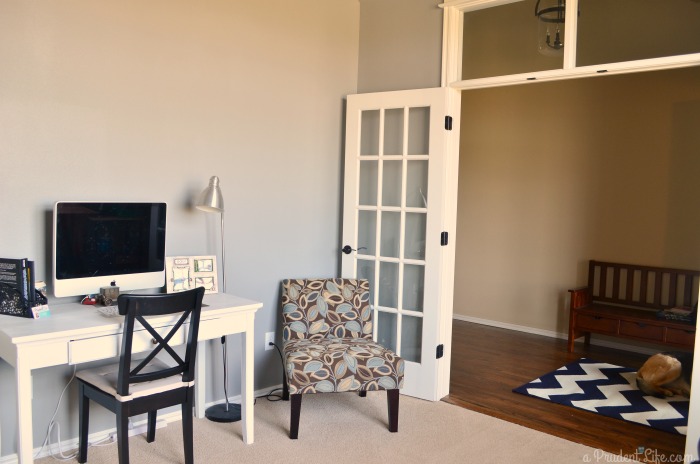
[(269, 338)]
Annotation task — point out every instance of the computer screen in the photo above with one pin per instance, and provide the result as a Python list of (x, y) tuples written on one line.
[(98, 244)]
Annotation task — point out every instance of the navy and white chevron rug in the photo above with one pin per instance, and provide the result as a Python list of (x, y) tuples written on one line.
[(609, 390)]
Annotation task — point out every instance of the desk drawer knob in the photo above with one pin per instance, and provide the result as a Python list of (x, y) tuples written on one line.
[(154, 341)]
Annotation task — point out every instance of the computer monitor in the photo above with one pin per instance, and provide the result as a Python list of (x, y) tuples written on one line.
[(98, 244)]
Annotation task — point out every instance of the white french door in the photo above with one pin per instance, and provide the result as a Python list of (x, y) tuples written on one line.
[(398, 219)]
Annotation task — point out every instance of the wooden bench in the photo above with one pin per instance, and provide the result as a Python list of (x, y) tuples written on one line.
[(622, 300)]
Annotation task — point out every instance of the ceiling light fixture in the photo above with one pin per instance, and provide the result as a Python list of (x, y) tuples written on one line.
[(550, 26)]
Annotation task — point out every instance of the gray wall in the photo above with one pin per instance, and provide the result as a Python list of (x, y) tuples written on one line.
[(136, 100), (400, 45)]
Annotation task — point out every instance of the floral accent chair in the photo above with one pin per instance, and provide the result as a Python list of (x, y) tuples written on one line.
[(328, 346)]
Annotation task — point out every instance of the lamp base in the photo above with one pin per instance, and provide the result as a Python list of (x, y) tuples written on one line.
[(218, 413)]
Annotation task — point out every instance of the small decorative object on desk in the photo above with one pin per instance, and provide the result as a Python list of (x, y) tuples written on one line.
[(188, 272), (678, 313)]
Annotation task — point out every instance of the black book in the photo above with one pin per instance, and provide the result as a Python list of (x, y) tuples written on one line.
[(13, 273), (15, 278), (31, 294)]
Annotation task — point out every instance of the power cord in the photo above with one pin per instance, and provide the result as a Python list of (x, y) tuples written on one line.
[(272, 396), (52, 423)]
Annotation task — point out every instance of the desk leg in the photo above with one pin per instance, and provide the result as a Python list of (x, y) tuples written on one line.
[(200, 385), (247, 384), (25, 443)]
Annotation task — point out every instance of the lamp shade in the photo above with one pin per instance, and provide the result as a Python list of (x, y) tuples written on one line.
[(210, 199)]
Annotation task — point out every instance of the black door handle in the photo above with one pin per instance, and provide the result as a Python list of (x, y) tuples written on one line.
[(347, 249)]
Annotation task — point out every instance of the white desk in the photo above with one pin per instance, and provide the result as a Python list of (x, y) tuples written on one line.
[(75, 334)]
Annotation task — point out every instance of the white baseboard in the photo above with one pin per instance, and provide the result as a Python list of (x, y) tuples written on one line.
[(552, 334), (108, 436)]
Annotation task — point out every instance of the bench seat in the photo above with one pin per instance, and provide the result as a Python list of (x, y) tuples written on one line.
[(622, 300)]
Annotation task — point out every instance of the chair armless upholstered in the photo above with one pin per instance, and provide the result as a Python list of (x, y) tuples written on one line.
[(328, 346), (134, 387)]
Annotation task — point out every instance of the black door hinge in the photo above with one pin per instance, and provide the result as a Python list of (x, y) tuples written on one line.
[(440, 351), (443, 238), (448, 123)]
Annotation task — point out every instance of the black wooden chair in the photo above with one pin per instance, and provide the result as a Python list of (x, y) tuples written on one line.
[(131, 387)]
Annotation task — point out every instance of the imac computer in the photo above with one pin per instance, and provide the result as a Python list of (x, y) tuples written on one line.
[(98, 244)]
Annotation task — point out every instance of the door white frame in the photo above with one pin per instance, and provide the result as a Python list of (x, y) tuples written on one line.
[(432, 376), (452, 37), (453, 24)]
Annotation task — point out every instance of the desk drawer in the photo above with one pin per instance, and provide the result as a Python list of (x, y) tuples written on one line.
[(681, 337), (597, 323), (640, 330), (109, 346), (215, 328)]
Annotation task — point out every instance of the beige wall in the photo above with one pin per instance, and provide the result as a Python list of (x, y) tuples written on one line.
[(554, 174)]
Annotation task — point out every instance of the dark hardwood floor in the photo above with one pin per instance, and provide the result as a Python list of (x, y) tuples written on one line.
[(488, 362)]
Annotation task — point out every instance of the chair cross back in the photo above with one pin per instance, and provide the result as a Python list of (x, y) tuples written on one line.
[(136, 310)]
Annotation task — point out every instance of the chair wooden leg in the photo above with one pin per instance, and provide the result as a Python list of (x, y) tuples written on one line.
[(122, 434), (83, 421), (392, 400), (151, 430), (296, 411), (187, 428), (363, 393)]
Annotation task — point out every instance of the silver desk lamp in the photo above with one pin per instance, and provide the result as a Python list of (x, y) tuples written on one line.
[(212, 201)]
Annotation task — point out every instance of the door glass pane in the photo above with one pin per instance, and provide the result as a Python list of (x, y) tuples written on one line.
[(391, 229), (388, 290), (503, 40), (368, 183), (393, 132), (391, 183), (418, 130), (365, 270), (413, 283), (369, 133), (417, 184), (411, 338), (386, 330), (626, 30), (366, 232), (414, 247)]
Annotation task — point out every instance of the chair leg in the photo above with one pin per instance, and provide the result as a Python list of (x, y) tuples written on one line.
[(392, 400), (151, 431), (363, 393), (296, 411), (123, 434), (187, 428), (83, 421)]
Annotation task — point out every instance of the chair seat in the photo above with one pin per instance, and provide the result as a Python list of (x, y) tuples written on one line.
[(341, 364), (105, 379)]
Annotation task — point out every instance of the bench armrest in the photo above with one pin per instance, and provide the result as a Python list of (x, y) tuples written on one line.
[(580, 297)]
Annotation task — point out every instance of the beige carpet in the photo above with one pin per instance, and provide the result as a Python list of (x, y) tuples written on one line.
[(344, 428)]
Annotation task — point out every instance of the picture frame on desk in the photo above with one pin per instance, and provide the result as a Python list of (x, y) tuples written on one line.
[(188, 272)]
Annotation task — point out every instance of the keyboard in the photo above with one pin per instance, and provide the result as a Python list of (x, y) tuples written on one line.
[(108, 311)]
